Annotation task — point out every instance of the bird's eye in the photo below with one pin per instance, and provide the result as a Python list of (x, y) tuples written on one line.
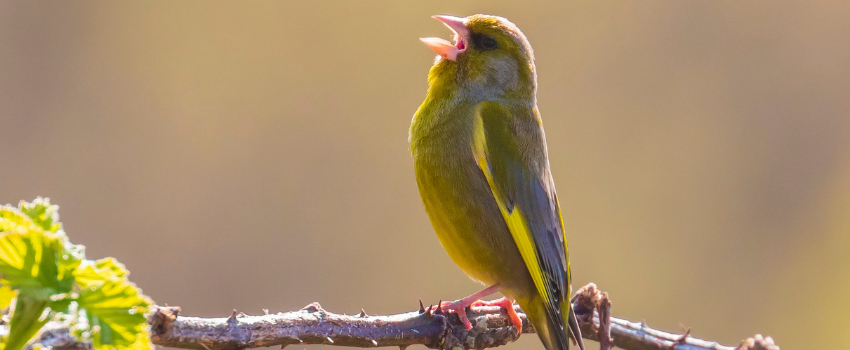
[(488, 42)]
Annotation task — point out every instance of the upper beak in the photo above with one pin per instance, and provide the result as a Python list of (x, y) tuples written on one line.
[(442, 46)]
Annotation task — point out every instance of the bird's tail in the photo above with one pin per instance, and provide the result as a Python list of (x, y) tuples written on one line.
[(551, 329), (572, 322)]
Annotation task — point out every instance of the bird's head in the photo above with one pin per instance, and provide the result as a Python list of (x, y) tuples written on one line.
[(490, 58)]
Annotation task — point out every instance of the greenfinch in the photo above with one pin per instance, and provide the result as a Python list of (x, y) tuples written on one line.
[(483, 174)]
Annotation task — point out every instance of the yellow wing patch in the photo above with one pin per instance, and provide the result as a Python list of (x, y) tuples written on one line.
[(515, 219)]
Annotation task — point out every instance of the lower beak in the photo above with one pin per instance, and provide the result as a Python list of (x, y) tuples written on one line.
[(443, 47)]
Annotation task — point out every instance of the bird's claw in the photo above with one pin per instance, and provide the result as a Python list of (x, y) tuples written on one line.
[(506, 304), (458, 308)]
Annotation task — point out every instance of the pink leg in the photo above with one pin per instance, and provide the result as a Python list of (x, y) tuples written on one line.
[(508, 305), (459, 306)]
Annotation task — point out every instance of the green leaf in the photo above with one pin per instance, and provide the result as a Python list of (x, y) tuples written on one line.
[(11, 218), (42, 213), (115, 307), (34, 250), (37, 261), (6, 296), (38, 264)]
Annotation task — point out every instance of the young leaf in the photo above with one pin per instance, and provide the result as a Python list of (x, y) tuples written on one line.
[(6, 296), (115, 307), (38, 264), (11, 217), (36, 261), (42, 213)]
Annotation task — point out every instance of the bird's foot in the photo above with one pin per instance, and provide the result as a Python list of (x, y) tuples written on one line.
[(506, 304), (458, 307)]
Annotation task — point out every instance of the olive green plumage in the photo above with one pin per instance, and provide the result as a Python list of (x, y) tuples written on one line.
[(482, 168)]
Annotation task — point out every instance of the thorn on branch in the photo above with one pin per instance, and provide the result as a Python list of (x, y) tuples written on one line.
[(421, 307), (362, 313), (684, 338), (312, 308), (232, 319)]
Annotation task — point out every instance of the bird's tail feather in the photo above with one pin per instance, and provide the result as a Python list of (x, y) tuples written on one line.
[(572, 322), (551, 330)]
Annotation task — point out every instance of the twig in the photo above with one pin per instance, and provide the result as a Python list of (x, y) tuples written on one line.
[(603, 308), (314, 325)]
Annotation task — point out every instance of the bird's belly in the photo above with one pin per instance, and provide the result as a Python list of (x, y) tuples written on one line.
[(469, 224)]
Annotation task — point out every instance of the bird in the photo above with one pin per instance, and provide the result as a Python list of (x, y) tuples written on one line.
[(482, 169)]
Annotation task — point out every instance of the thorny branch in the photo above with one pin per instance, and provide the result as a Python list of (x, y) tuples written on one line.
[(429, 326)]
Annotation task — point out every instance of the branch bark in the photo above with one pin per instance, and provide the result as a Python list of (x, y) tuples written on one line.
[(430, 326)]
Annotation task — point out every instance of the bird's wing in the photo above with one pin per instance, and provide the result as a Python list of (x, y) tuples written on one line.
[(528, 203)]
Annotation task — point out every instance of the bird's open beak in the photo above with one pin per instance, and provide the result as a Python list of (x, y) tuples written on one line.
[(445, 48)]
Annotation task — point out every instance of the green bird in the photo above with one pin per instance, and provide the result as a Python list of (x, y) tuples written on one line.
[(483, 173)]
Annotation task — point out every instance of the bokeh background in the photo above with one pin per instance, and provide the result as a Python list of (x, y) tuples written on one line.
[(254, 154)]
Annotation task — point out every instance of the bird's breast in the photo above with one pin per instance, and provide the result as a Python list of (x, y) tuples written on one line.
[(460, 204)]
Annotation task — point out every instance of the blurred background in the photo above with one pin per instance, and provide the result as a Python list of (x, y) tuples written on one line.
[(254, 155)]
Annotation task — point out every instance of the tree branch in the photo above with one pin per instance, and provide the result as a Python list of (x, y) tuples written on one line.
[(430, 326)]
